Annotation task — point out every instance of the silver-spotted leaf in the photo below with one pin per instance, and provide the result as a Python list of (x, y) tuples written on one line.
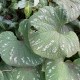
[(49, 36), (59, 70), (16, 53), (76, 1), (10, 73), (23, 29), (71, 7)]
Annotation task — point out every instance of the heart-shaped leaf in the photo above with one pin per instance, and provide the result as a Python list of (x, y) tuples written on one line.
[(49, 36), (59, 70), (10, 73), (16, 53)]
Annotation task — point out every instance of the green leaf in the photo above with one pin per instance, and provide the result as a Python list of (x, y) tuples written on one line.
[(79, 52), (14, 1), (3, 25), (49, 35), (77, 63), (10, 73), (16, 53), (1, 75), (23, 29), (76, 1), (59, 70), (14, 4), (71, 7), (3, 3), (42, 3), (42, 74), (76, 23), (28, 9)]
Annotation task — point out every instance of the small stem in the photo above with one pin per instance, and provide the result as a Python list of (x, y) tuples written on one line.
[(6, 70)]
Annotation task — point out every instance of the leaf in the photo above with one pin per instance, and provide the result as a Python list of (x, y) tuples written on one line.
[(14, 5), (3, 2), (51, 37), (36, 2), (23, 29), (71, 7), (16, 53), (79, 52), (0, 7), (42, 74), (22, 4), (1, 75), (77, 63), (59, 70), (76, 23), (76, 1), (3, 25), (10, 73), (42, 3), (28, 9), (25, 3)]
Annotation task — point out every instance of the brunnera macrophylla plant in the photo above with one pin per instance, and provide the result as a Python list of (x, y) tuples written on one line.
[(39, 40)]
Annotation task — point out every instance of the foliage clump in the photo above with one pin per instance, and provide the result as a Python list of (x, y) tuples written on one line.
[(39, 39)]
